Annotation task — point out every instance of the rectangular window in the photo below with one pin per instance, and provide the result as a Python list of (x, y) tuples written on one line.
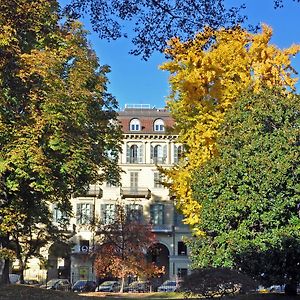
[(178, 151), (157, 180), (58, 214), (182, 272), (157, 212), (134, 212), (134, 177), (182, 249), (108, 212), (178, 218), (85, 212)]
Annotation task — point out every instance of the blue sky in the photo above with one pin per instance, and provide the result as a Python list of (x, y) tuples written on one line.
[(135, 81)]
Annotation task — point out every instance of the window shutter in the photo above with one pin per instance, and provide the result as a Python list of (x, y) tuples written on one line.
[(164, 153), (127, 154), (152, 152), (140, 212), (175, 154), (92, 213), (141, 153), (78, 213), (102, 213), (163, 214), (152, 214)]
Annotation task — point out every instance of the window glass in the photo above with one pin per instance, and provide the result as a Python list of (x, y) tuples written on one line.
[(157, 180), (159, 125), (135, 125), (182, 272), (157, 214), (133, 154), (178, 151), (134, 180), (108, 212), (182, 249), (58, 214), (84, 213), (159, 154), (134, 212)]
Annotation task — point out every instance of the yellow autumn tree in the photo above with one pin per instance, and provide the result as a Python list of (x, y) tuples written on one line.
[(208, 74)]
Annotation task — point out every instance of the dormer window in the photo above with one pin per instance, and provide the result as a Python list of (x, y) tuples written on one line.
[(135, 125), (159, 125)]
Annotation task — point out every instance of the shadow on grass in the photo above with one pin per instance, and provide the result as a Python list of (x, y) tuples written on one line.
[(23, 292)]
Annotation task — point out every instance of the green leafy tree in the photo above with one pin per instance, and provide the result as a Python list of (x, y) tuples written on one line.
[(58, 128), (155, 22), (250, 191)]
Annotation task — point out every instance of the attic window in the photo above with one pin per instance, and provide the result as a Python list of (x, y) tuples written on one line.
[(159, 125), (135, 125)]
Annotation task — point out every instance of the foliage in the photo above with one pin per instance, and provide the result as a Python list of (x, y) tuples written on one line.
[(122, 246), (155, 22), (217, 282), (152, 23), (280, 3), (57, 121), (249, 193), (208, 74)]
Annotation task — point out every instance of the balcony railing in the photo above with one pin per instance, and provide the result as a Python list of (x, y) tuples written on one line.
[(162, 228), (93, 191), (138, 192), (158, 160)]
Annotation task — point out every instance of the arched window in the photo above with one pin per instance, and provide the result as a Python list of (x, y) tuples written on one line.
[(158, 154), (133, 154), (135, 125), (159, 125)]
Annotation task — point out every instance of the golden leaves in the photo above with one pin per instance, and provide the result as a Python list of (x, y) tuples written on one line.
[(208, 74)]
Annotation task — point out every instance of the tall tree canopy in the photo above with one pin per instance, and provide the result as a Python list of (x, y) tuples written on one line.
[(58, 129), (152, 23), (208, 74), (250, 191)]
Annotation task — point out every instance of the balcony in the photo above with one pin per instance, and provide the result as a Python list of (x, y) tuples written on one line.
[(138, 192), (93, 191), (158, 160)]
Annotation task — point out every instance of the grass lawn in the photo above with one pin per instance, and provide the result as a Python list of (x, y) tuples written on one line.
[(23, 292)]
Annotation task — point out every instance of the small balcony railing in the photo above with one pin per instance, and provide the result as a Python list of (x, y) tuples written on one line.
[(162, 228), (139, 192), (93, 191), (158, 160)]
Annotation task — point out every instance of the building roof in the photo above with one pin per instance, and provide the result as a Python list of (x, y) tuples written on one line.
[(147, 117)]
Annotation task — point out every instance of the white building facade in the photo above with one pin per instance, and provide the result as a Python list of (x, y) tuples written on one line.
[(146, 144)]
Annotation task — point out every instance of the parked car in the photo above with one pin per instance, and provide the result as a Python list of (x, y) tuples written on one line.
[(57, 284), (14, 278), (276, 288), (108, 286), (169, 286), (138, 287), (31, 282), (84, 286)]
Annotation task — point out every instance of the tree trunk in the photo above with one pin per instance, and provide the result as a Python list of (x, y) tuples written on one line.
[(4, 278), (21, 270), (122, 284)]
